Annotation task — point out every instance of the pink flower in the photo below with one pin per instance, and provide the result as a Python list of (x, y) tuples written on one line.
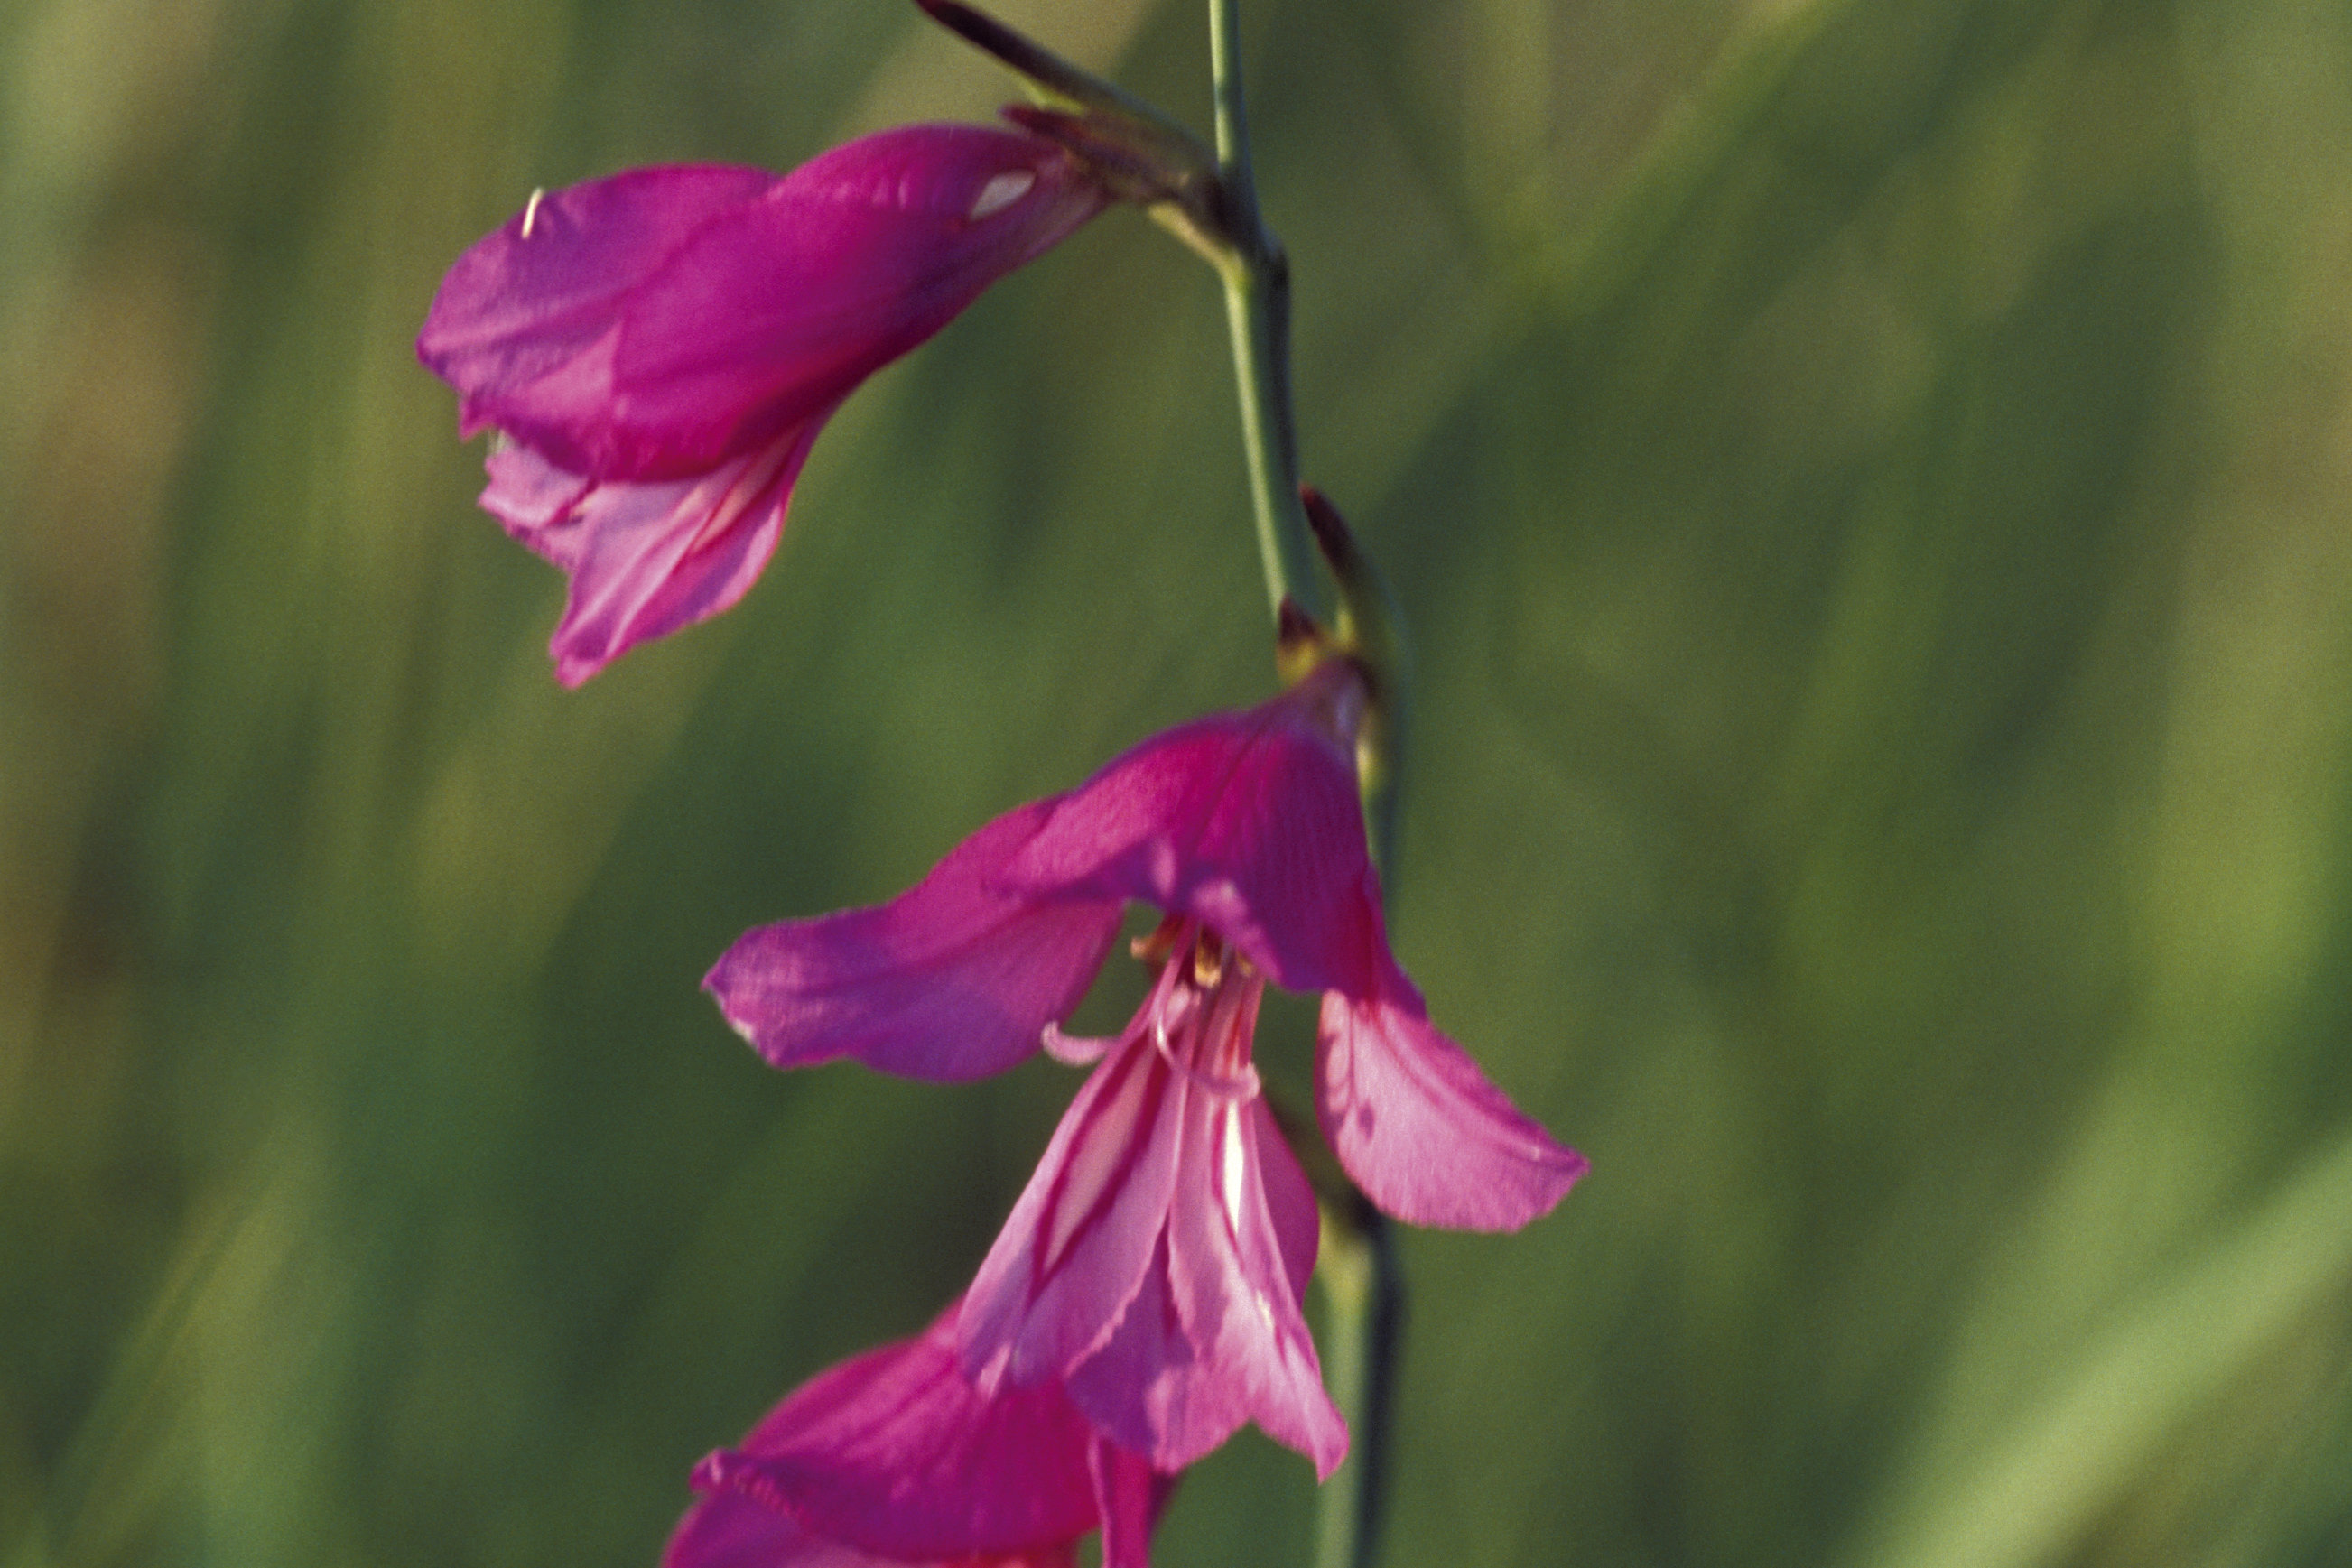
[(893, 1457), (658, 350), (1154, 1267)]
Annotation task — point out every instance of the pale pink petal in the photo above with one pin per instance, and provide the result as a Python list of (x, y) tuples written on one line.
[(1145, 1386), (532, 498), (1215, 1338), (895, 1454), (1421, 1129), (1078, 1241), (1247, 822), (776, 310), (514, 322), (1289, 1200), (1236, 1304), (1155, 1262), (951, 980), (645, 559)]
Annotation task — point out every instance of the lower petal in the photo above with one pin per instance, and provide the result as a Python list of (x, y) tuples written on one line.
[(1150, 1388), (1239, 1268), (1422, 1131), (1082, 1238), (648, 558), (1214, 1337)]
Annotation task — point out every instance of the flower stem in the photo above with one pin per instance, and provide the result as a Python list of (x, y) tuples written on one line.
[(1257, 305), (1364, 1295), (1357, 1263)]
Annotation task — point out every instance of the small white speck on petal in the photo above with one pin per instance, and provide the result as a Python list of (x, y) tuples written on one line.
[(530, 210), (1001, 193), (1234, 1166)]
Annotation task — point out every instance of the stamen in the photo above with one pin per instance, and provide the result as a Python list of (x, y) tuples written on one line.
[(1077, 1050), (1155, 948), (1205, 1036), (1234, 1171), (1242, 1087), (530, 210)]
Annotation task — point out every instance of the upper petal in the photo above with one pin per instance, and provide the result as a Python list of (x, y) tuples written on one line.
[(516, 313), (780, 306), (1422, 1130), (1248, 821), (653, 324), (952, 979), (645, 559), (895, 1453)]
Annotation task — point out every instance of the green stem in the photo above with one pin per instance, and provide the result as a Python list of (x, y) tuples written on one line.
[(1357, 1266), (1364, 1296), (1258, 305)]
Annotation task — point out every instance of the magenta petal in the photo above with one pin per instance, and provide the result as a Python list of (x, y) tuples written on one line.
[(645, 559), (1130, 1494), (651, 325), (1422, 1130), (731, 1532), (519, 311), (778, 307), (1079, 1239), (895, 1453), (951, 980), (660, 349), (1247, 822)]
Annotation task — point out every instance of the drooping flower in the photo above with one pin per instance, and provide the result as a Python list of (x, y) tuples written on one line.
[(1159, 1258), (893, 1460), (658, 350), (1153, 1268)]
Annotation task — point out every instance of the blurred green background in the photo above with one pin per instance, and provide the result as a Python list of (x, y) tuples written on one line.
[(1869, 484)]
